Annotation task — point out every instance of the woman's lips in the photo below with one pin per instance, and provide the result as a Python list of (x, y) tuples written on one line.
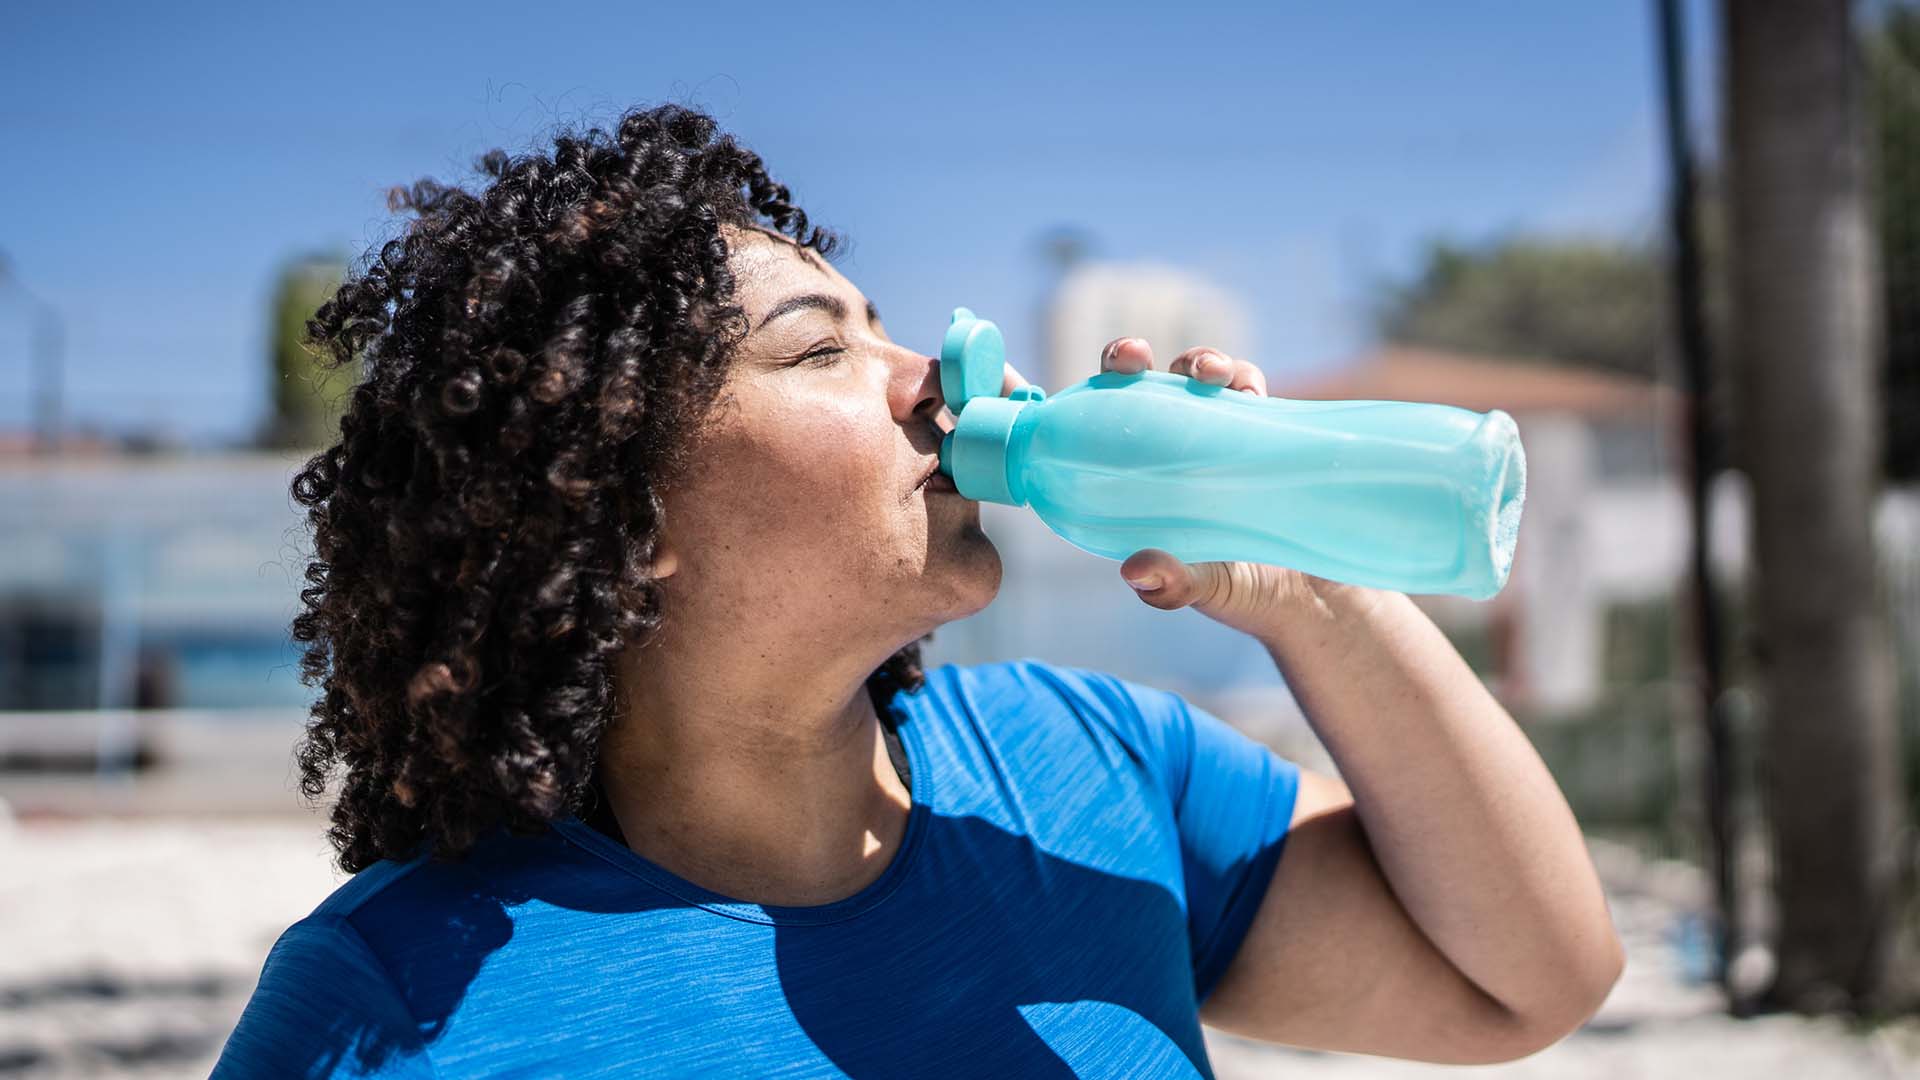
[(940, 481)]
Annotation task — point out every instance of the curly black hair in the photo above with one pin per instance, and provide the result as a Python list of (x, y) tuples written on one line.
[(537, 357)]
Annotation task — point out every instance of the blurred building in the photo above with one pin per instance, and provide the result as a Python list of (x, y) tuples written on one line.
[(1173, 309), (145, 608), (168, 581)]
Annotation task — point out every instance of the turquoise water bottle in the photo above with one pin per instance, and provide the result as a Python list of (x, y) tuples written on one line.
[(1397, 495)]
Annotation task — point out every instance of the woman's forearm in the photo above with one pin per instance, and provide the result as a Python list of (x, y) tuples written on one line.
[(1467, 824)]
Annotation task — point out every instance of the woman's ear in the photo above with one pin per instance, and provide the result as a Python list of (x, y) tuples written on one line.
[(666, 550), (665, 560)]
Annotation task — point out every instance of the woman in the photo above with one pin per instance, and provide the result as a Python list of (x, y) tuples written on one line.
[(622, 564)]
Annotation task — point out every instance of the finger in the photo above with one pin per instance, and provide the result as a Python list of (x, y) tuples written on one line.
[(1010, 380), (1207, 365), (1160, 579), (1248, 377), (1127, 355)]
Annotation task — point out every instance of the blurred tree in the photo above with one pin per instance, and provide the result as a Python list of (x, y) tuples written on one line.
[(1803, 357), (1604, 304), (306, 399), (1590, 302)]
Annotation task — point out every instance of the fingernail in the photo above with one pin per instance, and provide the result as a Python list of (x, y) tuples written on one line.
[(1145, 584)]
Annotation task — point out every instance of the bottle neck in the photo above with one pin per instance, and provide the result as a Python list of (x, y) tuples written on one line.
[(975, 453)]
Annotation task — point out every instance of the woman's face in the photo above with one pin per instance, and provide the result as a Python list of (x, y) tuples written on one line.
[(804, 510)]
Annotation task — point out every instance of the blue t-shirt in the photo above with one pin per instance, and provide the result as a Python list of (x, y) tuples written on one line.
[(1083, 857)]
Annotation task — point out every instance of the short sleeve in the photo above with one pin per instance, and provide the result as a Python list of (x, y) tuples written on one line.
[(324, 1007), (1232, 801)]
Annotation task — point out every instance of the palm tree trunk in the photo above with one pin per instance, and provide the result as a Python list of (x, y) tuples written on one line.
[(1805, 344)]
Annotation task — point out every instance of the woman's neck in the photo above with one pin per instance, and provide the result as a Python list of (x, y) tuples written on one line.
[(779, 806)]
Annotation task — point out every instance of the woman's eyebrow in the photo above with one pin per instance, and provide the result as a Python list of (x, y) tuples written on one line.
[(832, 305)]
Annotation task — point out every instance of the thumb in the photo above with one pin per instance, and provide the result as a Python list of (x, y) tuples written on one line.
[(1165, 582), (1244, 595)]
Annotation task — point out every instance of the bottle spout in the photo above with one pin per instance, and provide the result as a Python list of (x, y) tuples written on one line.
[(973, 360), (1506, 517), (1507, 498)]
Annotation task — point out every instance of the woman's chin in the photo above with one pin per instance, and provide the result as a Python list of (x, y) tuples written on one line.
[(973, 577)]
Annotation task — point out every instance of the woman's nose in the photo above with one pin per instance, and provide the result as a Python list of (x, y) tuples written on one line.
[(923, 378)]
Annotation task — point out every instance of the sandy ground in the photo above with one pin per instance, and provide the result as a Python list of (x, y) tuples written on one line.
[(129, 948)]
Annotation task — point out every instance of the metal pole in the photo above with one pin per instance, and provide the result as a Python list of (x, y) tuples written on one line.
[(49, 343), (1696, 382)]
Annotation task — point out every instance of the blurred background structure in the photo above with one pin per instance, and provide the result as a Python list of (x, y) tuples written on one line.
[(1679, 241)]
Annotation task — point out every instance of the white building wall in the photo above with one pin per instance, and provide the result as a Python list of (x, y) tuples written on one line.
[(1172, 308), (1556, 593)]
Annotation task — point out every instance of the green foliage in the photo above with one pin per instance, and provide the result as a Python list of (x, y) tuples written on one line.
[(307, 398), (1582, 302)]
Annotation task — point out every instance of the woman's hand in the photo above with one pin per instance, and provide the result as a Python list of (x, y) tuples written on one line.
[(1247, 596)]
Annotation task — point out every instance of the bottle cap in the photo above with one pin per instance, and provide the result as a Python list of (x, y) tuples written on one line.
[(973, 359)]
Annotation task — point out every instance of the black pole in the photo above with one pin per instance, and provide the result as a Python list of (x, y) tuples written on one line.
[(1696, 383)]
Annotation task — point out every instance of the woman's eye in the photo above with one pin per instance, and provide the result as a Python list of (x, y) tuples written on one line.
[(818, 353)]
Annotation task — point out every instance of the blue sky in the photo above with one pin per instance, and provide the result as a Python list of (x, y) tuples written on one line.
[(161, 161)]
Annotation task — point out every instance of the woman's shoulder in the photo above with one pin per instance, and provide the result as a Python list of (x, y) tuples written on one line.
[(325, 1005), (396, 908)]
